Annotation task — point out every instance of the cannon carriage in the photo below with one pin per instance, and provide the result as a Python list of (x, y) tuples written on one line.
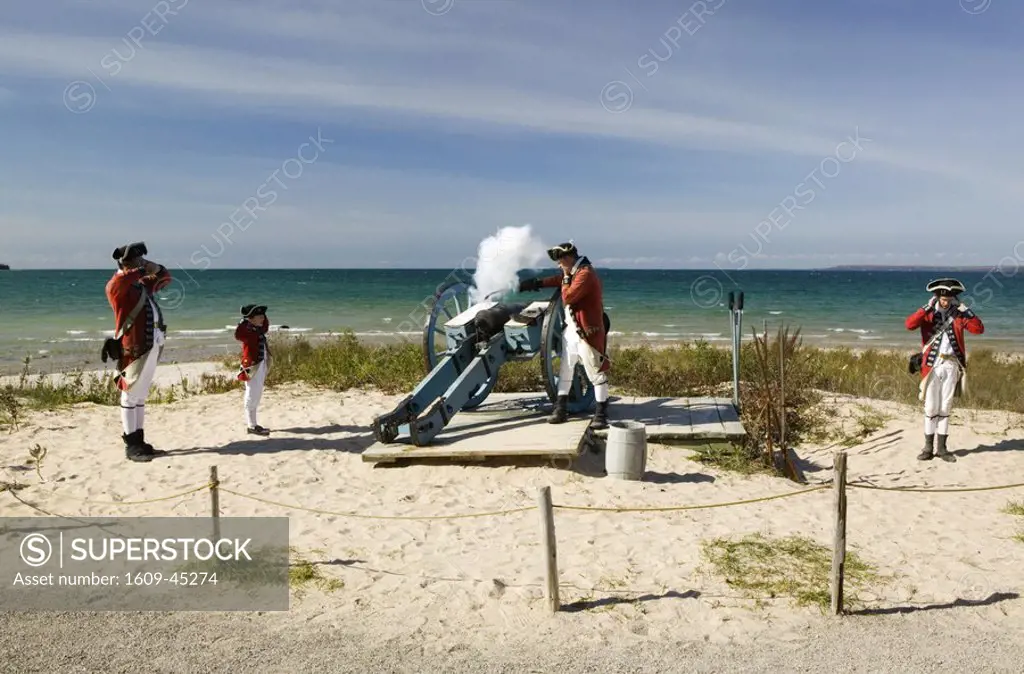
[(464, 347)]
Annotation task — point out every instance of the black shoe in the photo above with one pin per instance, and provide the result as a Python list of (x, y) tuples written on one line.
[(258, 430), (941, 450), (559, 415), (926, 453), (600, 420), (134, 450)]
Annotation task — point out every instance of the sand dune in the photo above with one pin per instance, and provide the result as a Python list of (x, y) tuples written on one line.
[(446, 582)]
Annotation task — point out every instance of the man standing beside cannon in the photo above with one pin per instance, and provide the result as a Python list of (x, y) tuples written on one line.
[(585, 335)]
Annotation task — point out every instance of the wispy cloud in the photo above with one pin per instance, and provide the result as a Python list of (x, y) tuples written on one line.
[(490, 113)]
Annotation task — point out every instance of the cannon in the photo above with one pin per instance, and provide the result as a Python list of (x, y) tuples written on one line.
[(464, 347)]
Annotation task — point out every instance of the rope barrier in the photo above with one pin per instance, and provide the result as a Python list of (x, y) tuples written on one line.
[(494, 513), (693, 507), (942, 490), (151, 500), (513, 511)]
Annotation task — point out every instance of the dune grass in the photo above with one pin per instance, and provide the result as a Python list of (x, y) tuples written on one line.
[(684, 369), (1016, 508), (794, 567)]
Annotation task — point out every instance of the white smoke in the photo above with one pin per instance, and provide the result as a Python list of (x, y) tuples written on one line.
[(501, 256)]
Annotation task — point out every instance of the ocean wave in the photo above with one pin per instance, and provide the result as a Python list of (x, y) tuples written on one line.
[(387, 319), (861, 331), (868, 337), (76, 332), (213, 331), (775, 313)]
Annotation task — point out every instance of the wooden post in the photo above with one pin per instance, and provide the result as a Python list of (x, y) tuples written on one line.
[(547, 528), (782, 393), (215, 502), (839, 540)]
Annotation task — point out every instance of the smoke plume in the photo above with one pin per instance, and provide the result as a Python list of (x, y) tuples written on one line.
[(501, 256)]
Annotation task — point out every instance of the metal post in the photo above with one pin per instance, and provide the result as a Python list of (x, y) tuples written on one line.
[(737, 345)]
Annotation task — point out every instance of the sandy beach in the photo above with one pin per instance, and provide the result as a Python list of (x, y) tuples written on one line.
[(444, 589)]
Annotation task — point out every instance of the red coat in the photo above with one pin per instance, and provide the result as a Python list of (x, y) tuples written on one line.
[(124, 290), (254, 343), (924, 319), (584, 295)]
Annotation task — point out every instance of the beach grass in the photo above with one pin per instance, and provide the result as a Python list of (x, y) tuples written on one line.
[(794, 566), (683, 369)]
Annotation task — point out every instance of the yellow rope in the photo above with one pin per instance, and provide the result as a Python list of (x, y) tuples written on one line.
[(378, 517), (151, 500), (693, 507), (937, 491)]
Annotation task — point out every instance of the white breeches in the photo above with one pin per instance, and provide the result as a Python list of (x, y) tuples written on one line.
[(254, 392), (133, 401), (938, 396), (577, 350)]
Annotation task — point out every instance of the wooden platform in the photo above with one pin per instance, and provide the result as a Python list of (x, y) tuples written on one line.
[(680, 419), (510, 425)]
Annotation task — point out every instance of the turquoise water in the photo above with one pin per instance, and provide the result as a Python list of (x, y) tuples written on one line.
[(52, 314)]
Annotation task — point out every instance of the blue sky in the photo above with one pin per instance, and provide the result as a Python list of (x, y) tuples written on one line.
[(740, 133)]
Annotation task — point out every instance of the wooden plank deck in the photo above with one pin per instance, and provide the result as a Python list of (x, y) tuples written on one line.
[(505, 425), (514, 425), (679, 419)]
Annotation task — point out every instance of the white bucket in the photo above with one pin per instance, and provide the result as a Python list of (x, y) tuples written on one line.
[(626, 450)]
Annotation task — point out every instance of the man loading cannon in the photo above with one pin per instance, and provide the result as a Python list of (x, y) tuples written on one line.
[(585, 336)]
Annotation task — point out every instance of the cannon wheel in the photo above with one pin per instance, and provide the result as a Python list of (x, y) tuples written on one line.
[(449, 301), (581, 394)]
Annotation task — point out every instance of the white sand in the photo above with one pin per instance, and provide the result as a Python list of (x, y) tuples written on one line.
[(475, 584)]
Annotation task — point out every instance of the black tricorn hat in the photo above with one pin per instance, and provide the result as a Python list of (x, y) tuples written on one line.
[(250, 310), (567, 248), (949, 287), (130, 251)]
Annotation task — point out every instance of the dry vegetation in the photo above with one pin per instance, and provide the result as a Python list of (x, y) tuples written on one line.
[(686, 369)]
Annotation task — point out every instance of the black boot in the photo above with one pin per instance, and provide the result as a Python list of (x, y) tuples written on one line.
[(600, 420), (142, 441), (559, 415), (926, 453), (134, 450), (941, 450)]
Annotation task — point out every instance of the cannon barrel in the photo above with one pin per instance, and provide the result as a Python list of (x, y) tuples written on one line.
[(489, 322)]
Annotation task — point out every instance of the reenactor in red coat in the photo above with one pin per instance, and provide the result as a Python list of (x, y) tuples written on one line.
[(139, 335), (943, 360), (255, 362), (585, 338)]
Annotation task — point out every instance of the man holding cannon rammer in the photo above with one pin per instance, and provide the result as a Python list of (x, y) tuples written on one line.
[(943, 362), (585, 336)]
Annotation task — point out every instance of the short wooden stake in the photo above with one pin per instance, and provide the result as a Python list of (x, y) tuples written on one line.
[(215, 502), (839, 540), (547, 528)]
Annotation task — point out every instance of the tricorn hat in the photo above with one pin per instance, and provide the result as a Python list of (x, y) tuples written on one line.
[(250, 310), (567, 248), (130, 251), (945, 286)]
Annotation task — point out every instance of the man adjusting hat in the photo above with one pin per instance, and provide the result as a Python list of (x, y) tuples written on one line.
[(943, 362), (585, 337), (138, 339)]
